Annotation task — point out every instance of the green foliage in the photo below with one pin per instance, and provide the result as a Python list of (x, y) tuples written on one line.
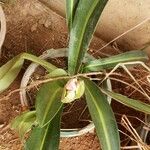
[(82, 18), (46, 138), (48, 102), (23, 123), (71, 6), (111, 62), (102, 116), (48, 66), (11, 69), (9, 72), (57, 73), (135, 104), (85, 19)]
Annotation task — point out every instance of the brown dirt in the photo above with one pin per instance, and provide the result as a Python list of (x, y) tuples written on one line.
[(33, 28)]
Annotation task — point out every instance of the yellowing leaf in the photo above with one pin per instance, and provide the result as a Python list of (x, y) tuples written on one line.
[(23, 123), (9, 72)]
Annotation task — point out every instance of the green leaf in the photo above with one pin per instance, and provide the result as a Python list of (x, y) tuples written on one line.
[(23, 123), (135, 104), (112, 61), (71, 6), (9, 72), (48, 102), (48, 66), (46, 138), (57, 73), (102, 116), (84, 23)]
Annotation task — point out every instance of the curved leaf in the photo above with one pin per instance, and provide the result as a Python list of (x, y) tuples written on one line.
[(135, 104), (46, 138), (48, 66), (9, 72), (102, 116), (48, 102), (23, 123), (112, 61), (85, 20)]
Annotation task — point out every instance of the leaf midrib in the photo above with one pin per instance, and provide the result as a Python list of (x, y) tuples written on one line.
[(103, 125), (42, 143), (47, 108), (108, 62), (82, 33), (129, 104)]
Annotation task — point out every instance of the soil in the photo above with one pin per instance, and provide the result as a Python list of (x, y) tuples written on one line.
[(34, 28)]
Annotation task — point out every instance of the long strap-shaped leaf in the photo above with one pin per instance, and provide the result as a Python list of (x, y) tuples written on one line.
[(48, 66), (71, 6), (110, 62), (48, 102), (46, 138), (102, 116), (85, 20), (10, 70), (135, 104)]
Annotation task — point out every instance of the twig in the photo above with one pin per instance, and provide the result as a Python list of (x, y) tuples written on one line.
[(126, 123), (126, 32), (39, 82), (128, 84)]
